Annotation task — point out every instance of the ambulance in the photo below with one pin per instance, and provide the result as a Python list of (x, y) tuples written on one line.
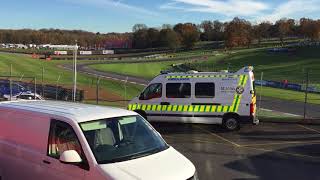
[(223, 98)]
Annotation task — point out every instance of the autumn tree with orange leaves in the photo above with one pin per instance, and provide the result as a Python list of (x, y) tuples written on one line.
[(188, 34), (310, 29), (238, 33)]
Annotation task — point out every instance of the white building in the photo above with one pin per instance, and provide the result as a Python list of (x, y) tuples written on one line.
[(58, 47), (21, 46)]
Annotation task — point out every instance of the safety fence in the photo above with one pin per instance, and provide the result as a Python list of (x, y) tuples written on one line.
[(290, 86), (298, 96), (43, 84)]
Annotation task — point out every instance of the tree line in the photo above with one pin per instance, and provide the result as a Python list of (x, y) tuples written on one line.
[(238, 32), (171, 37), (58, 36)]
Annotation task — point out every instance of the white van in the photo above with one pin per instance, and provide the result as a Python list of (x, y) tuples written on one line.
[(207, 97), (61, 141)]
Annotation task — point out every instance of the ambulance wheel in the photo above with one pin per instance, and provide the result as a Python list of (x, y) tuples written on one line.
[(231, 123)]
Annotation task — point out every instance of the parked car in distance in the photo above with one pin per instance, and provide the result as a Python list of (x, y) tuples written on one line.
[(23, 96), (63, 141), (5, 88)]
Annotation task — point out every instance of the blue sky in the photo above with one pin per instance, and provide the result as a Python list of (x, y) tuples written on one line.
[(121, 15)]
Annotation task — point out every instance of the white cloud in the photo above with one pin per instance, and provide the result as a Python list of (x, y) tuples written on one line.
[(227, 8), (255, 10), (292, 9), (119, 4)]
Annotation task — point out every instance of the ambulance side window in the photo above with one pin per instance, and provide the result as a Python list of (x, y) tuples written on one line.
[(204, 90), (178, 90), (151, 92)]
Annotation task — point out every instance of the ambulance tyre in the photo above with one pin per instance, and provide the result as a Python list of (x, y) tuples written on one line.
[(231, 122), (142, 113)]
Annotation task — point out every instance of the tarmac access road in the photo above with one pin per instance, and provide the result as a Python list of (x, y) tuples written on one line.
[(268, 151)]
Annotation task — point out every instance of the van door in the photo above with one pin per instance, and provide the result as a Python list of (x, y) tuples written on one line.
[(178, 99), (207, 106), (150, 101), (62, 138), (22, 144)]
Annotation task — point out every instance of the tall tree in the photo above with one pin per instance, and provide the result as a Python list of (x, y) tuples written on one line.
[(169, 38), (238, 33), (166, 26), (262, 31), (218, 31), (207, 28), (138, 27), (153, 37), (310, 28), (188, 34), (283, 29), (140, 39)]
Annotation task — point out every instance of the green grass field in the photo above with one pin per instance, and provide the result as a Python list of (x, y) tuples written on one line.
[(25, 66)]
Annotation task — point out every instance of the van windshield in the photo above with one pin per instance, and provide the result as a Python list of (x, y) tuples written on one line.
[(122, 138)]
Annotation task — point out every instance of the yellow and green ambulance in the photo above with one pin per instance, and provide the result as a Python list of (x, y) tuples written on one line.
[(222, 98)]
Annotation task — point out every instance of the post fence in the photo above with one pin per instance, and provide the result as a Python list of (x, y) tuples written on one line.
[(97, 89)]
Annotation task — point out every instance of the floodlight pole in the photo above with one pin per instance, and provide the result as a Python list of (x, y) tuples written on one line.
[(260, 95), (10, 81), (306, 95), (75, 72)]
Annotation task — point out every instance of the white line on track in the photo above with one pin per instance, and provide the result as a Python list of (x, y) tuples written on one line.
[(292, 114), (266, 109), (289, 114), (310, 129)]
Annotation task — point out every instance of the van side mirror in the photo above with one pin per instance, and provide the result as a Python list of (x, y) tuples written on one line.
[(70, 157)]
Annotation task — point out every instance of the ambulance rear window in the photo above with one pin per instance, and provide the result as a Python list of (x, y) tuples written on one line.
[(204, 90)]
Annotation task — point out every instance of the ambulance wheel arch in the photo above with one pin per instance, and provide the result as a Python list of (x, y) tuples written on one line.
[(231, 121), (142, 113)]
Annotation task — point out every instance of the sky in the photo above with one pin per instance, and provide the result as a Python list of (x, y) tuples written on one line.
[(120, 15)]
